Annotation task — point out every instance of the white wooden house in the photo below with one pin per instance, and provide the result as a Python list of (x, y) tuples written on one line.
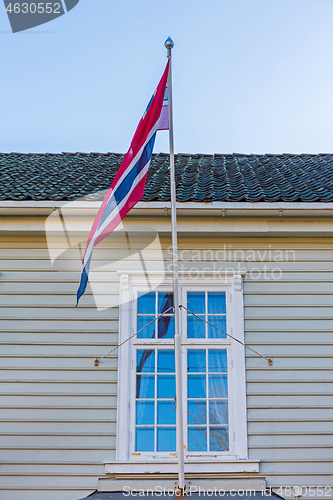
[(255, 251)]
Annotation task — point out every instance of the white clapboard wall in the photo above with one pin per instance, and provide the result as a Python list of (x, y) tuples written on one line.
[(58, 411)]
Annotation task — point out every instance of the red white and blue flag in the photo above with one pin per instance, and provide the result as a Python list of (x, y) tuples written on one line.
[(163, 123), (128, 185)]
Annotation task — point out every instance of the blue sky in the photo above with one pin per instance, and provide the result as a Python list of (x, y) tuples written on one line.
[(249, 76)]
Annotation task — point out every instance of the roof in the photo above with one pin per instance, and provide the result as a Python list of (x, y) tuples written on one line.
[(199, 177)]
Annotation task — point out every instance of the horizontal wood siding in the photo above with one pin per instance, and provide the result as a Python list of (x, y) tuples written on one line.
[(58, 411)]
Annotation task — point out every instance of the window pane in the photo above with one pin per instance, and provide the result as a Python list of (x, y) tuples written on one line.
[(145, 412), (145, 386), (219, 439), (166, 438), (166, 386), (144, 439), (196, 386), (217, 360), (196, 329), (149, 332), (197, 412), (145, 361), (146, 303), (166, 327), (165, 301), (216, 303), (218, 386), (220, 322), (166, 412), (218, 412), (196, 360), (197, 439), (196, 302), (166, 361)]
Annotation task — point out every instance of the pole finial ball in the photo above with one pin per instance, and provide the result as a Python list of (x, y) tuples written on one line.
[(169, 43)]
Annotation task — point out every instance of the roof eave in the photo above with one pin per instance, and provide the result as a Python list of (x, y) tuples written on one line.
[(187, 209)]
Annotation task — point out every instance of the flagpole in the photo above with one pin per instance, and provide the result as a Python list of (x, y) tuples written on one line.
[(178, 361)]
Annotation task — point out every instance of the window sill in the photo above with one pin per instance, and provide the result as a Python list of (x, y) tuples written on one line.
[(197, 465)]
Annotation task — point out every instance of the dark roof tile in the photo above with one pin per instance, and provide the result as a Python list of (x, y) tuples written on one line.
[(199, 177)]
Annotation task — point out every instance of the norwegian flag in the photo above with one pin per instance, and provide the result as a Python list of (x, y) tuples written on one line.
[(129, 183), (163, 123)]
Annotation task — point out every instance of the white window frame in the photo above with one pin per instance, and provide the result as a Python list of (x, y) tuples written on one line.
[(231, 284)]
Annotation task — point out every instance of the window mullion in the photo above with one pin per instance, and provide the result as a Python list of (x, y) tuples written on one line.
[(184, 350), (206, 313), (156, 313), (155, 404), (207, 400)]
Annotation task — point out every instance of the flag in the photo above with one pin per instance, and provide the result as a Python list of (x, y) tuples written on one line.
[(163, 123), (129, 183)]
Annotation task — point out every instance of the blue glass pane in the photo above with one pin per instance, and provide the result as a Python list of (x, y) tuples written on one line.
[(166, 386), (145, 360), (216, 303), (220, 322), (145, 414), (165, 301), (218, 386), (145, 386), (146, 303), (196, 302), (217, 360), (196, 329), (166, 438), (218, 412), (197, 439), (144, 439), (166, 412), (149, 332), (166, 327), (196, 360), (196, 386), (219, 439), (197, 412), (166, 361)]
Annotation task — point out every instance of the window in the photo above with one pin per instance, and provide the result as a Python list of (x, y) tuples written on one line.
[(211, 307), (149, 306), (206, 381), (207, 400), (155, 417), (155, 382), (213, 392)]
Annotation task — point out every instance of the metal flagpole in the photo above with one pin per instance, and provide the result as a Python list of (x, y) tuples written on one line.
[(178, 362)]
